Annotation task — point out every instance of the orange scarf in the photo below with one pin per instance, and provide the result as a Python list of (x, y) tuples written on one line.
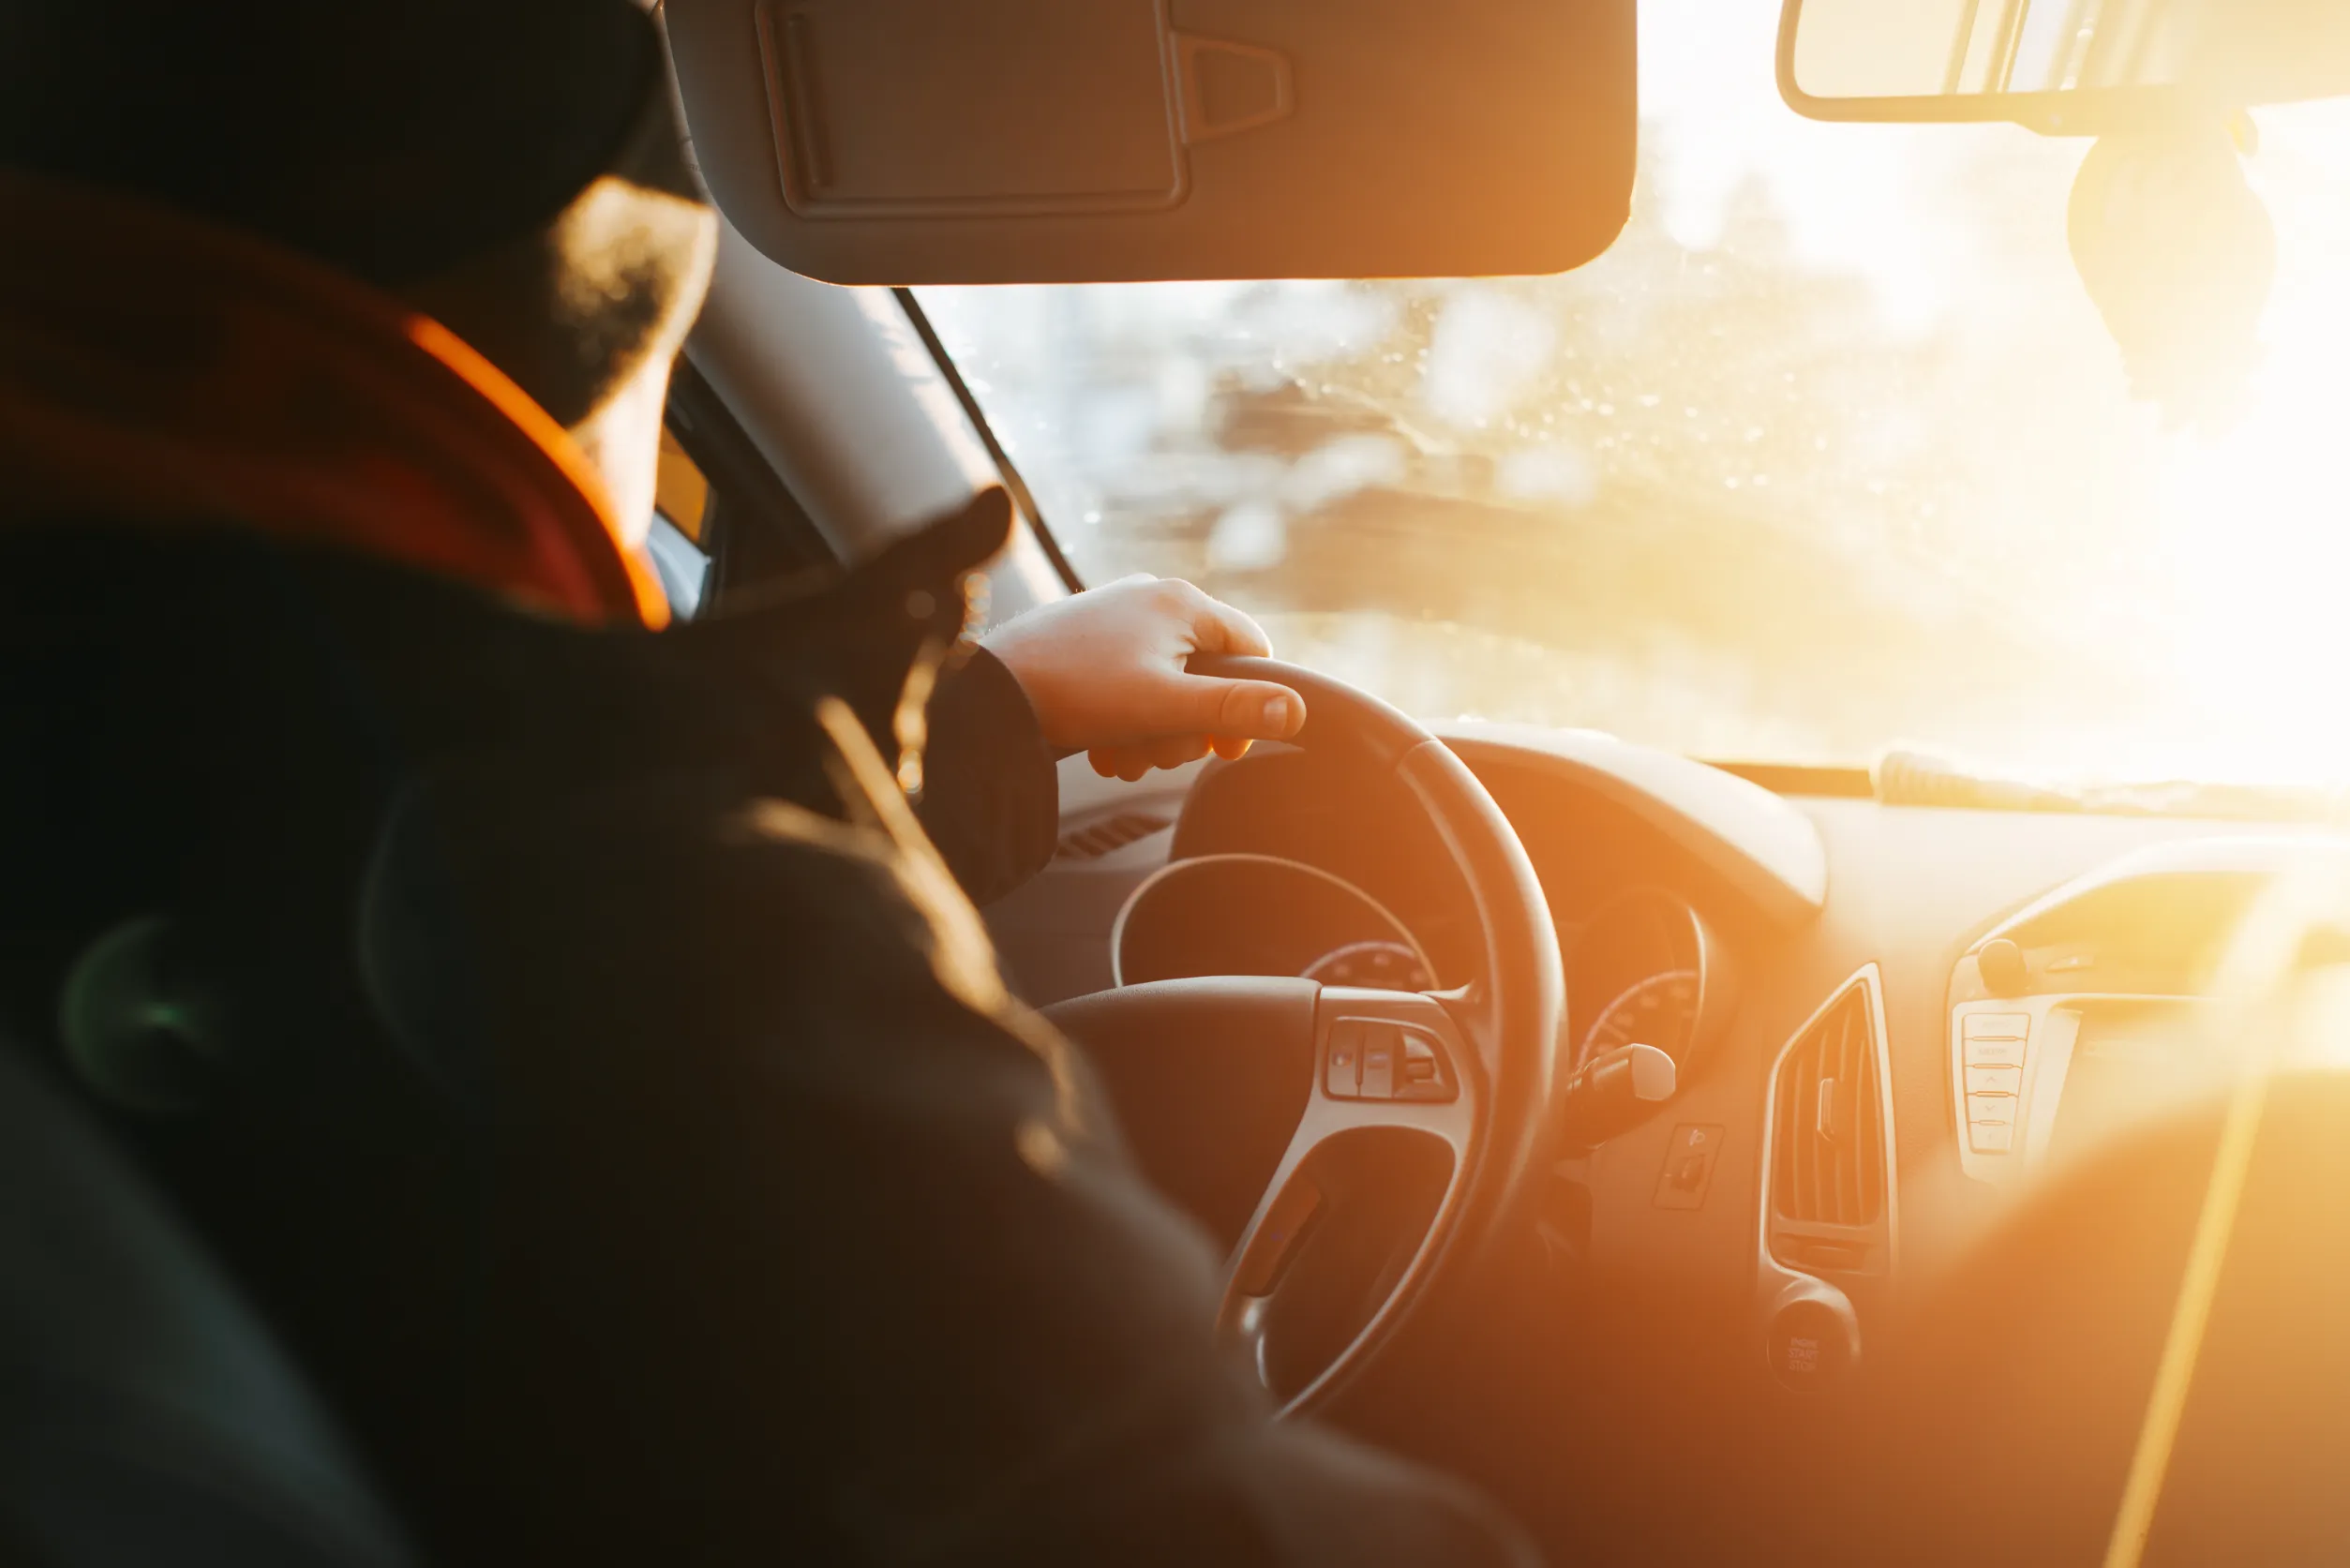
[(162, 371)]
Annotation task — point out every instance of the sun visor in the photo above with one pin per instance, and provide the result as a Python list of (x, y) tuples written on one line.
[(907, 141)]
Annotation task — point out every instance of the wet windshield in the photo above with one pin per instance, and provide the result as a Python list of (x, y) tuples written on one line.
[(1830, 454)]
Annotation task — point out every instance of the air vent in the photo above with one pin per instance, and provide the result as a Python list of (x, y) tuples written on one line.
[(1830, 1148), (1095, 839)]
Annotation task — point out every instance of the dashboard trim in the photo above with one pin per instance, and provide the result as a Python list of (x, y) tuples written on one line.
[(2259, 854), (1769, 852)]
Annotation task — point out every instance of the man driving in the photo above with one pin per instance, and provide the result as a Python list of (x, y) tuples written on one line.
[(564, 1028)]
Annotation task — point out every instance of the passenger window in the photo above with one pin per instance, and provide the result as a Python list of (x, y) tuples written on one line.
[(726, 505), (679, 541)]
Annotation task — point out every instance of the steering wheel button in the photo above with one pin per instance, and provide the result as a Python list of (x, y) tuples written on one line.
[(1421, 1071), (1342, 1074), (1996, 1025), (1379, 1061)]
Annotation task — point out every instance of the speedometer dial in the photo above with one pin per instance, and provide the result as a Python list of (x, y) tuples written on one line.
[(1237, 914), (1383, 965), (1643, 970), (1660, 1011)]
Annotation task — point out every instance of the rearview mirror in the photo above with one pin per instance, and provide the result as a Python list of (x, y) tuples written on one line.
[(2063, 66), (1079, 141)]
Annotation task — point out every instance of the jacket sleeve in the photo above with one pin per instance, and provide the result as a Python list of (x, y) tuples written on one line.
[(991, 798), (810, 1245)]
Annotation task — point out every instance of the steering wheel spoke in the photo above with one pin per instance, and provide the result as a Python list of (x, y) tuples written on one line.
[(1396, 1082)]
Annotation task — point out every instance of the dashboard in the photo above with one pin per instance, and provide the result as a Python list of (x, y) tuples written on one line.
[(1884, 1015)]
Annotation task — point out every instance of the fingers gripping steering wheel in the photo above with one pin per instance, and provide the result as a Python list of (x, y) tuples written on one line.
[(1452, 1089)]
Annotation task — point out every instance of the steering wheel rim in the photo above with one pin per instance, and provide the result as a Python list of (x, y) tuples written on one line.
[(1488, 1050)]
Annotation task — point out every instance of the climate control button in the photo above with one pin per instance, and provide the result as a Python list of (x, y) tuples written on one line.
[(1991, 1138), (1995, 1081), (1994, 1053)]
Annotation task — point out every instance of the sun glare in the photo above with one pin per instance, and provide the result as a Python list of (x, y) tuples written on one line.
[(1831, 454), (2242, 594), (2257, 518)]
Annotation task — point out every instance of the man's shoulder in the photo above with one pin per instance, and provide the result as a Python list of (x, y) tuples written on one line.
[(684, 895)]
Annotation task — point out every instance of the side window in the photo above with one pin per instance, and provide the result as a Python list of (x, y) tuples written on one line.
[(681, 539), (734, 528)]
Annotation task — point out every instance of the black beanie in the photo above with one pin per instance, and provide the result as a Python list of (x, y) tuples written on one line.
[(389, 138)]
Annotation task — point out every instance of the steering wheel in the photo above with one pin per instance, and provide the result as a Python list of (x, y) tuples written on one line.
[(1426, 1113)]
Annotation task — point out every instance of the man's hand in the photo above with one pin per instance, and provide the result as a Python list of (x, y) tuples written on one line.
[(1104, 671)]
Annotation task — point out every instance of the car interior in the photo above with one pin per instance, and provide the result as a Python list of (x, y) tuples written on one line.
[(1868, 1095)]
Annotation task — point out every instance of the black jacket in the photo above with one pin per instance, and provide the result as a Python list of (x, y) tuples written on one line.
[(572, 1045)]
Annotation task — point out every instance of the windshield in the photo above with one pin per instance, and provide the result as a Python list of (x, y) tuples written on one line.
[(1831, 454)]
